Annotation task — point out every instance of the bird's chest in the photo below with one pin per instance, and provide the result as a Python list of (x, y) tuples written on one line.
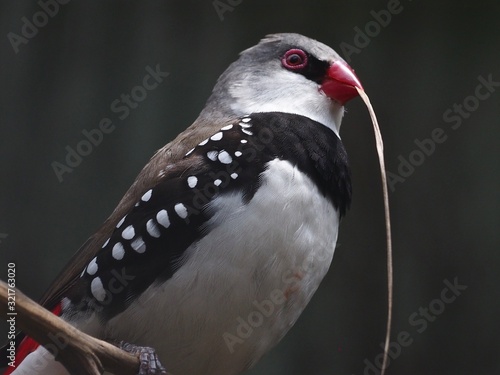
[(244, 284)]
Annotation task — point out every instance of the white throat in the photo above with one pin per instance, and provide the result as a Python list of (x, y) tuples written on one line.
[(289, 93)]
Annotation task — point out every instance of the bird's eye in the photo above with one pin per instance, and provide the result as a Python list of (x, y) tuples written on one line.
[(294, 59)]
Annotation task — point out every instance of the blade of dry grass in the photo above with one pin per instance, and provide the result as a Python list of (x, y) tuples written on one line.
[(380, 152)]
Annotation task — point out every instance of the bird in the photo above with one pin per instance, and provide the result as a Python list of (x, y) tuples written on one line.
[(225, 235)]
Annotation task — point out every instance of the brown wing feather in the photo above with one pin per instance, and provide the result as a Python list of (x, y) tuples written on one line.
[(146, 179)]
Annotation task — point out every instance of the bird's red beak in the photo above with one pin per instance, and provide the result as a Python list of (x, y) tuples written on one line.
[(340, 82)]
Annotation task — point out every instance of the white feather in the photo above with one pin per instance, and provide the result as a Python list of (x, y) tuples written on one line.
[(280, 243), (288, 92), (40, 362)]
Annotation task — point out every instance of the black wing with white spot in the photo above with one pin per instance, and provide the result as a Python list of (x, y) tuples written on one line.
[(148, 245)]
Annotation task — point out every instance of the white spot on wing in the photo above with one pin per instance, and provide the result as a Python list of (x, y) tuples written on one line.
[(163, 219), (152, 229), (212, 155), (189, 152), (121, 222), (244, 126), (128, 233), (192, 181), (147, 195), (238, 154), (292, 208), (139, 245), (217, 182), (216, 136), (203, 143), (224, 157), (105, 243), (181, 210), (92, 267), (227, 127), (246, 131), (65, 302), (246, 119), (97, 289), (118, 251), (243, 141), (234, 176)]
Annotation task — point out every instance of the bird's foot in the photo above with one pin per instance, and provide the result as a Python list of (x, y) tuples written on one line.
[(150, 363)]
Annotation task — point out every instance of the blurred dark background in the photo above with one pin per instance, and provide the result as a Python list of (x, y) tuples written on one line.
[(418, 68)]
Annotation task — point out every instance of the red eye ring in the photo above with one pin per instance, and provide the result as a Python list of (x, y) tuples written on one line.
[(294, 59)]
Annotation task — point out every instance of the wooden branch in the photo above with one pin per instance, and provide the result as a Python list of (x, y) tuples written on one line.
[(80, 353)]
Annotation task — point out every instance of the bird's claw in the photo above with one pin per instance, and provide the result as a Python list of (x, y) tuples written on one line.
[(150, 363)]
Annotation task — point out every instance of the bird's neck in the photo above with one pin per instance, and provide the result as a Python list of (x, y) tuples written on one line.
[(224, 106)]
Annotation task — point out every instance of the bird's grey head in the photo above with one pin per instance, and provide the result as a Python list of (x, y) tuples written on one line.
[(285, 73)]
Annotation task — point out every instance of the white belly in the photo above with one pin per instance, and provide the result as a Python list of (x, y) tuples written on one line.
[(244, 284)]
